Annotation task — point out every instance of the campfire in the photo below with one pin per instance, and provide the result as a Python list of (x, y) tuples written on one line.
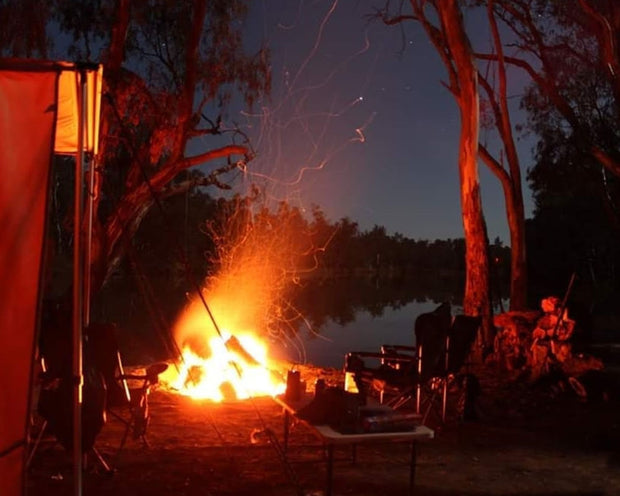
[(225, 332), (237, 368), (218, 364)]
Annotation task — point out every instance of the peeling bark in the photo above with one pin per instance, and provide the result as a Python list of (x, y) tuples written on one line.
[(477, 298)]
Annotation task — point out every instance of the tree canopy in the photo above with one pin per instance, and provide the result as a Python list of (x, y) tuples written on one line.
[(170, 71)]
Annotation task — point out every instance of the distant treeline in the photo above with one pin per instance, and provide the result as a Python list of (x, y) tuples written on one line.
[(325, 248), (177, 247)]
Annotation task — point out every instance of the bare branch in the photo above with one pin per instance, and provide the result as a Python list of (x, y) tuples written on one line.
[(496, 168), (225, 151), (438, 40)]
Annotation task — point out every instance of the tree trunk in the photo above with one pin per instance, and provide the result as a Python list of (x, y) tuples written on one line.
[(518, 261), (477, 298), (513, 193), (112, 66)]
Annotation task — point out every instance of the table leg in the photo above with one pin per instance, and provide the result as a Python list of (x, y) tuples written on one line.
[(287, 424), (330, 469), (412, 467)]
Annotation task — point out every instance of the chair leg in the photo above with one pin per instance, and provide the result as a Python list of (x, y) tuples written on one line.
[(444, 399), (127, 424), (124, 438), (418, 397), (101, 460), (431, 402), (36, 443), (402, 400)]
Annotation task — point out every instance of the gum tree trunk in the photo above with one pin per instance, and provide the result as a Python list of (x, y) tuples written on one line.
[(465, 86)]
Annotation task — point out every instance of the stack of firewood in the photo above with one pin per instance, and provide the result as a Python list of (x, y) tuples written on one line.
[(537, 343)]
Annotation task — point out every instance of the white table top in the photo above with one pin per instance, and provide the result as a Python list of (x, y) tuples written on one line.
[(418, 433)]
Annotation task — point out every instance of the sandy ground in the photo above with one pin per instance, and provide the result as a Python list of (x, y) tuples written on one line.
[(526, 442)]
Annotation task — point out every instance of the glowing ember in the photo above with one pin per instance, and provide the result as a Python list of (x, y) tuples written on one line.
[(224, 356)]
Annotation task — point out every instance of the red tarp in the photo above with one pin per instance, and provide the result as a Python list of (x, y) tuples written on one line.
[(38, 114), (27, 116)]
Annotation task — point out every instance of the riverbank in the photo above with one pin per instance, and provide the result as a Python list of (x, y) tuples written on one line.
[(527, 440)]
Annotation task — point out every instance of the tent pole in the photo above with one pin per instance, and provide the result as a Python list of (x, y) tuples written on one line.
[(90, 197), (78, 378), (90, 113)]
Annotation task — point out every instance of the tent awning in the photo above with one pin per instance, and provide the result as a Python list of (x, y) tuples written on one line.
[(67, 115)]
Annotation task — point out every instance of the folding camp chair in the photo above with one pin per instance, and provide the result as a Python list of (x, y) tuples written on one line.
[(125, 404), (458, 344), (398, 372), (106, 391), (401, 374), (53, 414)]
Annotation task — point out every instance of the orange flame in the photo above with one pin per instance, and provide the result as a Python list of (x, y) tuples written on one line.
[(227, 374), (223, 353), (219, 365)]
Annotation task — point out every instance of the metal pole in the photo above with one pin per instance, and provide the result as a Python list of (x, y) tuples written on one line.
[(89, 239), (77, 293)]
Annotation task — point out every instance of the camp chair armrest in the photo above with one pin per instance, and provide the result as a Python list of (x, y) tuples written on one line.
[(151, 375), (354, 361), (398, 349), (398, 357)]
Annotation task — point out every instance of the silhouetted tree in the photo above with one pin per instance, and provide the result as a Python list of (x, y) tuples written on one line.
[(170, 70), (568, 47)]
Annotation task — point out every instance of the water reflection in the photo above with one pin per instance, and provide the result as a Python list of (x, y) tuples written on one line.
[(324, 318), (360, 314), (364, 332)]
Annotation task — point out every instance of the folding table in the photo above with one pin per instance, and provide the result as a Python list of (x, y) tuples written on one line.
[(331, 437)]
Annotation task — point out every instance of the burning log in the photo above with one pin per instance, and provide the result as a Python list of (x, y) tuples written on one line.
[(233, 345), (229, 371), (195, 375), (228, 391)]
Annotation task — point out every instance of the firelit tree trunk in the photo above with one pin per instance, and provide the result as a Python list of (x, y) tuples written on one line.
[(509, 178), (465, 86), (452, 45)]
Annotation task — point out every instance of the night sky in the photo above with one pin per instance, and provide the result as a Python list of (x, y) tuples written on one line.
[(359, 123)]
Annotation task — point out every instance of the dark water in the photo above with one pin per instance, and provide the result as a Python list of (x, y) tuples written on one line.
[(395, 326), (335, 316), (366, 333), (362, 313)]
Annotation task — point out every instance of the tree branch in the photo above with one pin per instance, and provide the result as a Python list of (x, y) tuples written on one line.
[(191, 76), (606, 160), (495, 167), (437, 37), (504, 124), (201, 158)]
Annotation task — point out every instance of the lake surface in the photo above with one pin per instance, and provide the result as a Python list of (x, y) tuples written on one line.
[(366, 333), (328, 347)]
